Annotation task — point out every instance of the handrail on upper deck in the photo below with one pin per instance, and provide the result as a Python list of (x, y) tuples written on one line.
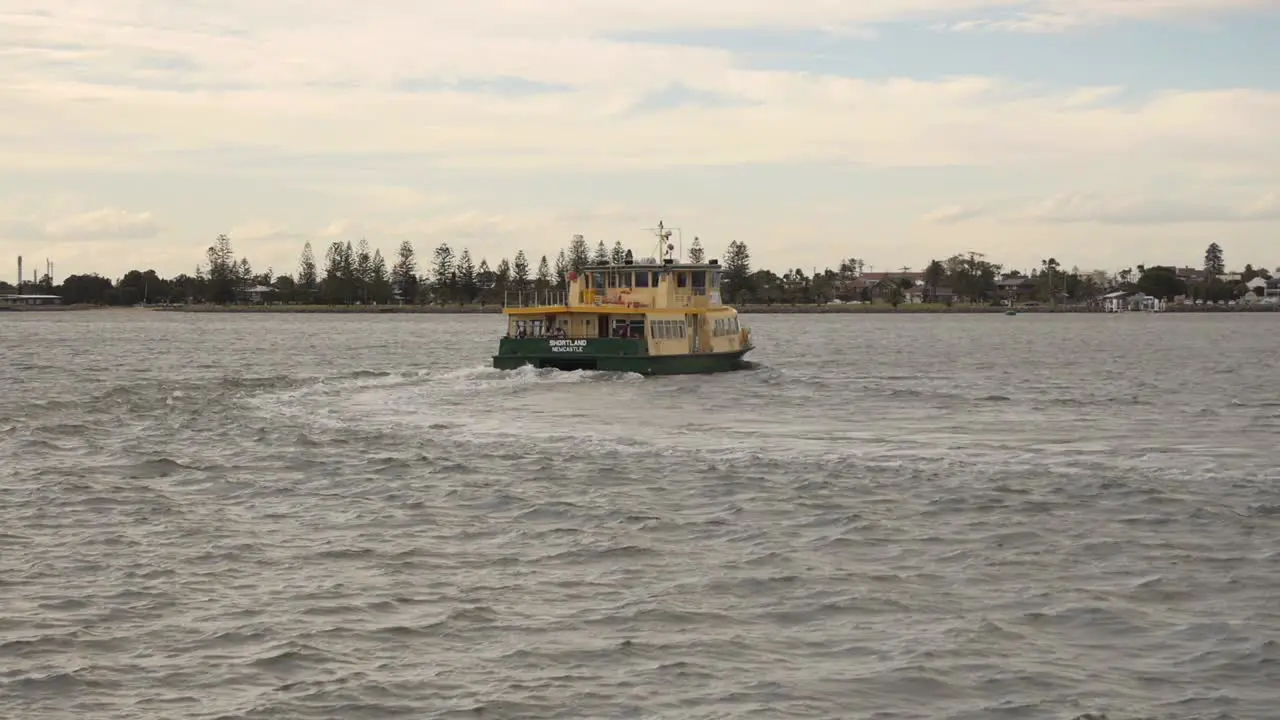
[(568, 335), (534, 298)]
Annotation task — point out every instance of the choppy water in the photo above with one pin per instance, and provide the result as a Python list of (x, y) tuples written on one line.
[(915, 517)]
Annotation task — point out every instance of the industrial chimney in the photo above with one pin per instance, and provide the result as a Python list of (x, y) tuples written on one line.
[(19, 274)]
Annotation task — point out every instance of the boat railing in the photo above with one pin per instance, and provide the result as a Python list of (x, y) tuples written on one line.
[(535, 298)]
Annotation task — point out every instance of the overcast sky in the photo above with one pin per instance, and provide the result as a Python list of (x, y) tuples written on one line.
[(1104, 133)]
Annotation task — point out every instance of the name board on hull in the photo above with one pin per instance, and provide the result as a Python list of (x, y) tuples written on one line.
[(568, 345)]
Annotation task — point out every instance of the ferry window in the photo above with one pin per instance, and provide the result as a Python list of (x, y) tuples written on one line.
[(642, 279), (682, 279), (682, 328), (612, 279), (715, 279), (624, 280), (637, 328), (597, 280), (699, 279)]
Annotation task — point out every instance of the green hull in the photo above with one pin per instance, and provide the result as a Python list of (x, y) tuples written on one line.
[(613, 355)]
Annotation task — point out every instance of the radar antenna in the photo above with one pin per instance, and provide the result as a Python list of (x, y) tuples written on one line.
[(666, 249)]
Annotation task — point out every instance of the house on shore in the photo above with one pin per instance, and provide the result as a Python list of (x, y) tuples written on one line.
[(1019, 288), (1124, 301), (925, 294)]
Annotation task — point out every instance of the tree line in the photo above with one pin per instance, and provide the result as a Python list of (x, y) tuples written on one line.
[(355, 273)]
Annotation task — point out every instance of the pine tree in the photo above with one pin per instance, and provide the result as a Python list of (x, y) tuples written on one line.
[(333, 290), (404, 274), (222, 271), (466, 277), (579, 255), (350, 282), (543, 279), (520, 273), (562, 269), (602, 255), (201, 286), (1214, 265), (502, 277), (442, 273), (696, 253), (363, 270), (619, 254), (244, 273), (307, 280), (379, 279), (486, 280), (737, 271)]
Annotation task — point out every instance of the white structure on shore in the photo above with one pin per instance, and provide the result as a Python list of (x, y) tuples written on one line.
[(1121, 301)]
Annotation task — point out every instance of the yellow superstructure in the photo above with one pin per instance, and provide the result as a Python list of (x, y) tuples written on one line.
[(676, 307)]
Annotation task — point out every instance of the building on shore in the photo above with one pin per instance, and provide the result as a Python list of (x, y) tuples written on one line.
[(22, 300)]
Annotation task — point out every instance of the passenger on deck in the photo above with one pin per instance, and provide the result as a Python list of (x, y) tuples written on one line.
[(522, 332)]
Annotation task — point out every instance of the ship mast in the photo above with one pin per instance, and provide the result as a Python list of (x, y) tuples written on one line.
[(665, 248)]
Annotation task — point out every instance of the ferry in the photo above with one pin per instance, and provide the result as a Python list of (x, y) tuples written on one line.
[(644, 316)]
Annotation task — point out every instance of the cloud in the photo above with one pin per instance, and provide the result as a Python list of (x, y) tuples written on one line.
[(386, 198), (1140, 210), (953, 214), (96, 85), (262, 231), (1056, 16), (104, 224)]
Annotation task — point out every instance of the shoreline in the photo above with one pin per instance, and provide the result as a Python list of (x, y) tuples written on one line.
[(916, 309), (56, 308)]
